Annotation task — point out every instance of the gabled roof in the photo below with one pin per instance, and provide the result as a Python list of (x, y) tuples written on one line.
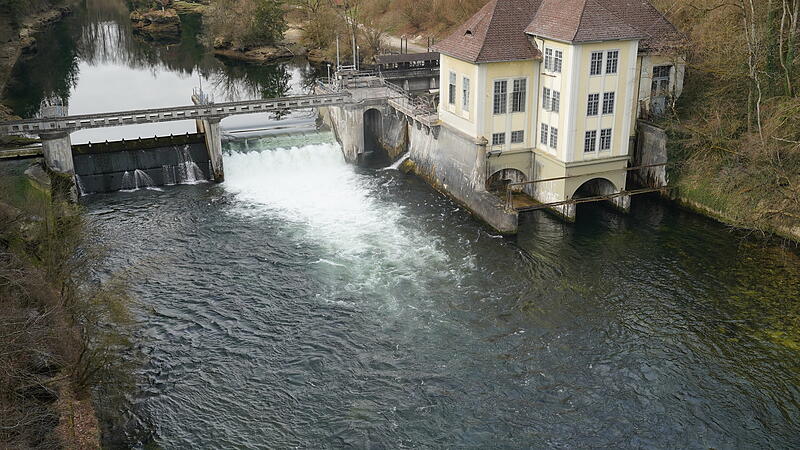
[(495, 33), (498, 31), (580, 21)]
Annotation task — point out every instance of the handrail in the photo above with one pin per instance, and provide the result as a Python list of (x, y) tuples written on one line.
[(510, 186)]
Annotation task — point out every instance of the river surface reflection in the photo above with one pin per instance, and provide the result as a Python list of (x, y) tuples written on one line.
[(309, 303)]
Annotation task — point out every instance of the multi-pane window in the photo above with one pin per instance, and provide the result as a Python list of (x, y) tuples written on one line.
[(498, 138), (518, 96), (596, 67), (553, 137), (452, 89), (548, 59), (544, 134), (590, 141), (557, 60), (517, 137), (500, 97), (661, 80), (605, 139), (555, 104), (608, 103), (593, 104), (546, 99), (465, 94), (612, 61)]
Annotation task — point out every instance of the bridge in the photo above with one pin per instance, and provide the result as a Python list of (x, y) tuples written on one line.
[(354, 91)]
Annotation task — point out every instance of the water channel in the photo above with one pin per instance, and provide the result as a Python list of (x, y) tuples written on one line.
[(309, 303)]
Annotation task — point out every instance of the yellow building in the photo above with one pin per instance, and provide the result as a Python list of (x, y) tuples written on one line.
[(554, 87)]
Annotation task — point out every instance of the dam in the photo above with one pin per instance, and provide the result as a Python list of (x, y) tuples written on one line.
[(311, 302)]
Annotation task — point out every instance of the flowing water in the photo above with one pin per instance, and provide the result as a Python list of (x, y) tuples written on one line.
[(309, 303)]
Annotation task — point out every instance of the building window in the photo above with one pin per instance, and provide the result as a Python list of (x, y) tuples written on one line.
[(596, 67), (612, 60), (544, 134), (593, 104), (608, 103), (555, 104), (605, 139), (517, 137), (500, 97), (548, 59), (546, 99), (589, 143), (557, 61), (661, 80), (498, 139), (518, 96), (452, 91), (465, 94), (553, 137)]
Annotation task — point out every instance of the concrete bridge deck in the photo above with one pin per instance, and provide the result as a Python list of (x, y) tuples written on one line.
[(69, 124)]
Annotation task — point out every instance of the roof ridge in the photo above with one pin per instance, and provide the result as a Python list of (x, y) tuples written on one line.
[(580, 20)]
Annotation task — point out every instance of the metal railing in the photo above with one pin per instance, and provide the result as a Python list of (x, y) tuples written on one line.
[(519, 186)]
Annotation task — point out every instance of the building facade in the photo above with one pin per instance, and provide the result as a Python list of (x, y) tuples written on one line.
[(554, 89)]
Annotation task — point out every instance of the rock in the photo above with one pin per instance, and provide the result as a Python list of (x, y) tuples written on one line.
[(258, 55), (156, 25), (317, 55)]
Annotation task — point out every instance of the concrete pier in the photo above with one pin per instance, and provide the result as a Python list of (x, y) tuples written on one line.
[(57, 150), (214, 145)]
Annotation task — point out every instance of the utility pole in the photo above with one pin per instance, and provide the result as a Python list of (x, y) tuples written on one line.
[(338, 65)]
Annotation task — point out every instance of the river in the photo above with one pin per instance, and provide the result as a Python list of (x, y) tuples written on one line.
[(309, 303)]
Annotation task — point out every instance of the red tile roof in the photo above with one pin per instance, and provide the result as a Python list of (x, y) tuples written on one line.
[(498, 31), (495, 33)]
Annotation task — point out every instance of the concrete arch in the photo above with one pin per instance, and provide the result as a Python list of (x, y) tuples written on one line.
[(594, 187), (374, 154), (499, 181)]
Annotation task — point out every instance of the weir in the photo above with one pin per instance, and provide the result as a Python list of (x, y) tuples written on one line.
[(371, 117)]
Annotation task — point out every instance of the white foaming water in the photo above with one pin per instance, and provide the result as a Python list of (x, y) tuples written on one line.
[(399, 162), (336, 208)]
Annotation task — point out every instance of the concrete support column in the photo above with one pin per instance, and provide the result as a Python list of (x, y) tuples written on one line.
[(480, 165), (57, 149), (623, 203), (214, 146)]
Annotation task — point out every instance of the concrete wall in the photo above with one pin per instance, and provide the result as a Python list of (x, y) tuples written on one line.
[(102, 167), (453, 165), (651, 148)]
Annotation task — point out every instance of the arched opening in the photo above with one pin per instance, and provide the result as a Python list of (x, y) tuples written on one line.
[(374, 154), (500, 180), (594, 188), (600, 187)]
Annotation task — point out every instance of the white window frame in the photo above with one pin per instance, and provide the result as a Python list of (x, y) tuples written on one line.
[(590, 135), (504, 103), (548, 59), (498, 139), (609, 138), (558, 61), (609, 98), (616, 62), (554, 138), (544, 134), (465, 93), (546, 98), (596, 105), (555, 102), (519, 97), (451, 89), (596, 65), (518, 137)]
